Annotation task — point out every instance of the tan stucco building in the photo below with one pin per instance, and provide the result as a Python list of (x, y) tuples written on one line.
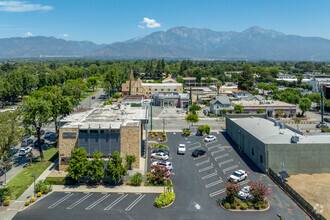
[(107, 129)]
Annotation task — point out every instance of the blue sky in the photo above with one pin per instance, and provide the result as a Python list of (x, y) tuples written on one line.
[(108, 21)]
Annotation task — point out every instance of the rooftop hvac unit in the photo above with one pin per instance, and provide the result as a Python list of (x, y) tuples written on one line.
[(277, 123), (294, 139), (282, 126)]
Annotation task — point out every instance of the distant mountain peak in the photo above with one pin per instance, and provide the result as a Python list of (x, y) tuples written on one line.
[(259, 30)]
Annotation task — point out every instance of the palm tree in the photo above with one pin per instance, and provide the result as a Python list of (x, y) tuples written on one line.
[(218, 84)]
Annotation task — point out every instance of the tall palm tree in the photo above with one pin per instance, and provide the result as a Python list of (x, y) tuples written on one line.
[(218, 85)]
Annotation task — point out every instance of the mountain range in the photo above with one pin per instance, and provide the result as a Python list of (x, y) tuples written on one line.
[(254, 43)]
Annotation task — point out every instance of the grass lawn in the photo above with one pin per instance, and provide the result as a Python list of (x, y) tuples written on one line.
[(24, 179), (84, 95)]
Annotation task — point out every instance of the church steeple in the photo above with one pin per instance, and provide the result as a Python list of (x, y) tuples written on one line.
[(131, 78)]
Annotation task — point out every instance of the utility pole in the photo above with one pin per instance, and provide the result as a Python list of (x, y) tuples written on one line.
[(322, 106), (151, 116)]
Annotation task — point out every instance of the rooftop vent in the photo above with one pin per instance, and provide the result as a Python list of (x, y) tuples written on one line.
[(282, 126), (277, 123), (294, 139)]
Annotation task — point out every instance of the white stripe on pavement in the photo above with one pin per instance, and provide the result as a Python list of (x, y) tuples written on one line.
[(201, 157), (229, 168), (211, 142), (206, 168), (79, 201), (214, 183), (244, 182), (221, 156), (190, 145), (97, 202), (116, 202), (60, 201), (217, 192), (203, 162), (135, 202), (210, 175), (224, 162), (217, 151)]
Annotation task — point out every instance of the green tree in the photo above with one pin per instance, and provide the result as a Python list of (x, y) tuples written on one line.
[(259, 111), (179, 79), (10, 130), (238, 109), (136, 179), (92, 82), (78, 164), (305, 104), (37, 113), (208, 80), (95, 168), (129, 160), (246, 79), (201, 129), (194, 108), (110, 80), (207, 129), (115, 168), (192, 118), (218, 85)]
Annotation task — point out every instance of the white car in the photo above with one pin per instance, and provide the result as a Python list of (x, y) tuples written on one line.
[(210, 138), (24, 151), (166, 164), (181, 149), (159, 156), (245, 193), (238, 176)]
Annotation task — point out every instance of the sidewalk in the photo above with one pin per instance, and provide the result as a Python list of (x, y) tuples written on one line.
[(17, 205)]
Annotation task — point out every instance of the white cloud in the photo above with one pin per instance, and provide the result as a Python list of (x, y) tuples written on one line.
[(149, 23), (64, 35), (19, 6), (28, 34)]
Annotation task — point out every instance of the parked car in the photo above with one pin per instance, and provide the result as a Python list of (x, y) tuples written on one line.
[(159, 156), (244, 193), (42, 132), (161, 150), (13, 150), (166, 164), (24, 151), (27, 142), (198, 152), (36, 144), (327, 119), (26, 135), (322, 126), (206, 111), (93, 97), (238, 176), (181, 149), (49, 134), (12, 109), (210, 138)]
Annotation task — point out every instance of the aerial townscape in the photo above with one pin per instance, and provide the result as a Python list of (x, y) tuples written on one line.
[(164, 110)]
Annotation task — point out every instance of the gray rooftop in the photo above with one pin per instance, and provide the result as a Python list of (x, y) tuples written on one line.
[(267, 132), (222, 99), (164, 95), (113, 116)]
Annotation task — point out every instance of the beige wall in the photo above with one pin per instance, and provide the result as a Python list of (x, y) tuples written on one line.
[(66, 146), (158, 87), (130, 140)]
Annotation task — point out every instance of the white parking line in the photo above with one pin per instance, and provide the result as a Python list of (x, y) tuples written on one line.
[(217, 192), (60, 201), (210, 175), (216, 146), (203, 162), (116, 202), (190, 145), (97, 202), (135, 202), (214, 183), (244, 182), (217, 151), (206, 168), (229, 168), (211, 142), (79, 201), (224, 162), (201, 157), (221, 156), (193, 148)]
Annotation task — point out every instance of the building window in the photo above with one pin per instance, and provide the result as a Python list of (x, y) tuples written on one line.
[(162, 89), (168, 89), (149, 89), (260, 158), (252, 151), (155, 89), (137, 89), (174, 90)]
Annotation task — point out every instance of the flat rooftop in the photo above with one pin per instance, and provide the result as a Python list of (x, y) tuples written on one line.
[(268, 133), (263, 103), (105, 117)]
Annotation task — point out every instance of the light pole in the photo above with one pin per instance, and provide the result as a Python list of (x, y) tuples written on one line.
[(151, 116), (164, 178), (34, 177)]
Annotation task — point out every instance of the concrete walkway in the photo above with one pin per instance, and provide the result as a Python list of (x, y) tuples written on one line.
[(20, 202)]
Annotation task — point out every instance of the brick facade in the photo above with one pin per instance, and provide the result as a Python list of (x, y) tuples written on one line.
[(67, 143), (131, 143)]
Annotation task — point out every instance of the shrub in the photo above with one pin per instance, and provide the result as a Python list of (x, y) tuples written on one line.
[(233, 206), (161, 140), (137, 179), (162, 200), (264, 205), (258, 191), (227, 205), (4, 193), (257, 206), (129, 160), (232, 192), (156, 133), (238, 202), (244, 206), (128, 182), (201, 129), (60, 181), (164, 135), (249, 203), (39, 194), (32, 199), (152, 136), (207, 129), (27, 202), (307, 130), (6, 202), (40, 186)]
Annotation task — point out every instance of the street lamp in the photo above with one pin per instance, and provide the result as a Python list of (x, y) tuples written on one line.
[(164, 178), (34, 177)]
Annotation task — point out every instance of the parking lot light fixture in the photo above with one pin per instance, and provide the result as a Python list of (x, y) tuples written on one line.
[(34, 192)]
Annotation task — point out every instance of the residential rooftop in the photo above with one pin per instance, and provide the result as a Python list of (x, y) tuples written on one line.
[(268, 133)]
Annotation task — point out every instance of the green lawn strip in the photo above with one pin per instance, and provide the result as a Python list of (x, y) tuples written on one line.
[(24, 179), (87, 94)]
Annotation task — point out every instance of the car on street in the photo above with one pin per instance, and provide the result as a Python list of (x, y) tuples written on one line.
[(322, 126), (244, 193), (327, 119), (42, 141), (26, 142), (181, 149), (93, 97), (13, 150), (49, 134), (238, 176), (42, 132), (24, 151), (210, 138), (166, 164), (159, 156), (206, 111), (12, 109), (26, 135), (198, 152), (161, 150)]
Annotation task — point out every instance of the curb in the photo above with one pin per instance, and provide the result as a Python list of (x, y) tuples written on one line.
[(248, 210), (32, 203), (164, 207)]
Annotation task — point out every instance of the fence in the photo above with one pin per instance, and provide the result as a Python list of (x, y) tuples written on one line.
[(308, 208)]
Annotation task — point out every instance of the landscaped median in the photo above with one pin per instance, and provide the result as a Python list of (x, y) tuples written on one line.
[(165, 201)]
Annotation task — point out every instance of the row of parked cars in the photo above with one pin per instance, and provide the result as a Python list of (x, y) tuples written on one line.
[(162, 155), (27, 141)]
